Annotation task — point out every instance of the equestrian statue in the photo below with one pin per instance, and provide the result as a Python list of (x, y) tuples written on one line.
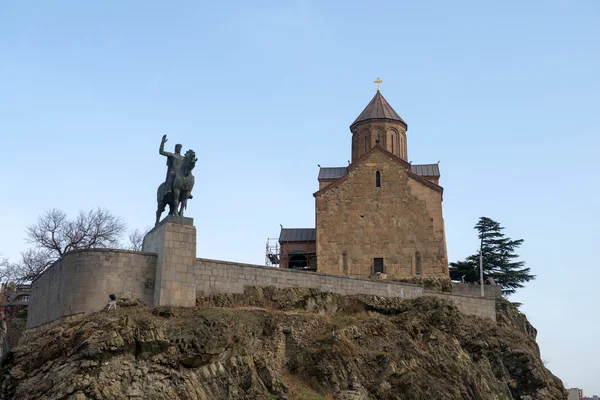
[(177, 187)]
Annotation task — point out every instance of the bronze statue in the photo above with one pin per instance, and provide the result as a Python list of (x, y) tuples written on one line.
[(178, 185)]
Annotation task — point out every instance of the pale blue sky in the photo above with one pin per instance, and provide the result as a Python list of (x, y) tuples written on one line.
[(505, 94)]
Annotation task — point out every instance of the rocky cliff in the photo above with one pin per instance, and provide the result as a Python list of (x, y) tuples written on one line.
[(282, 344)]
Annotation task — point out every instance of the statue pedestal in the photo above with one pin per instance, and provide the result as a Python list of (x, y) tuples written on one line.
[(174, 241)]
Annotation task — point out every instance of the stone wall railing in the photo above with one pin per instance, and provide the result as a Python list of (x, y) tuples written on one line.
[(214, 276), (82, 280), (477, 306), (472, 290)]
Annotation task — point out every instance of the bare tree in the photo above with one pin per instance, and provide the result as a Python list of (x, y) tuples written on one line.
[(54, 234), (136, 239), (7, 270), (33, 262), (58, 234)]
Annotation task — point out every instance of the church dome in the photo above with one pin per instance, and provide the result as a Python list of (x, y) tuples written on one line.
[(378, 108)]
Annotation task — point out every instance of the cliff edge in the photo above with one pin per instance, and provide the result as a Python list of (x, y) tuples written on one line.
[(282, 344)]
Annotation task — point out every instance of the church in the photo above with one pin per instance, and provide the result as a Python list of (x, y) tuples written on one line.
[(380, 216)]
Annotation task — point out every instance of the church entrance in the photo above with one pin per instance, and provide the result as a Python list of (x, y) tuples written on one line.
[(298, 261)]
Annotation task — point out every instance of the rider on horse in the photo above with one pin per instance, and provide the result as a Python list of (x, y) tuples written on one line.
[(177, 188), (174, 161)]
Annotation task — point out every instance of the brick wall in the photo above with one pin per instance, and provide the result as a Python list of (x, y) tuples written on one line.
[(385, 130), (82, 280), (214, 276), (291, 247)]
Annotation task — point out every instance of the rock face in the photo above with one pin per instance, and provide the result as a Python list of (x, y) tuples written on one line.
[(282, 344)]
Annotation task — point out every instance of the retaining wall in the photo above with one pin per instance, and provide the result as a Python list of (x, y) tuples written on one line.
[(466, 289), (82, 280), (214, 276), (477, 306)]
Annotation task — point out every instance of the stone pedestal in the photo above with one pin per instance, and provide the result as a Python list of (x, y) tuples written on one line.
[(174, 241)]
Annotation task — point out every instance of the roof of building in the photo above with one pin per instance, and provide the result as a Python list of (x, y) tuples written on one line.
[(298, 235), (333, 173), (426, 169), (378, 108), (394, 157), (326, 173)]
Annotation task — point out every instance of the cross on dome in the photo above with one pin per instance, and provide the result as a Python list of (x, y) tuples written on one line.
[(378, 82)]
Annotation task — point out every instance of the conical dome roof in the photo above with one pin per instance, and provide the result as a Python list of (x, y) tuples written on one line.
[(378, 108)]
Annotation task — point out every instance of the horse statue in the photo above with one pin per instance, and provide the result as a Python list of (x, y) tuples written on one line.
[(181, 189)]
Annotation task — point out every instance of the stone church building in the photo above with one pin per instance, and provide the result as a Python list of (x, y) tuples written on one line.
[(378, 215)]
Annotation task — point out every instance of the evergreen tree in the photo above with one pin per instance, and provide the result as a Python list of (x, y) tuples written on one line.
[(499, 259)]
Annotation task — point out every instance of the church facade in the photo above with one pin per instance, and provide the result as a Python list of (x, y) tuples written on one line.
[(380, 214)]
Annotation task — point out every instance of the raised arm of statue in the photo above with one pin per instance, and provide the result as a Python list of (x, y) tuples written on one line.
[(161, 150)]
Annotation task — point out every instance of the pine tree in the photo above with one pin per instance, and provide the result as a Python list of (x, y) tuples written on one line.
[(499, 259)]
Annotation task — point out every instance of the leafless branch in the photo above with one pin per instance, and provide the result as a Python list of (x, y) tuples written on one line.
[(136, 239), (7, 270), (58, 234), (33, 262), (48, 231), (54, 234)]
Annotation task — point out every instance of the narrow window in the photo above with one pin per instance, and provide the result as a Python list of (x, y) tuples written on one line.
[(401, 149), (378, 179), (378, 138), (345, 264), (419, 262), (365, 144), (392, 144), (378, 265)]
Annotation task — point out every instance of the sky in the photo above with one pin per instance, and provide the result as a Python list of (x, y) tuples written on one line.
[(506, 95)]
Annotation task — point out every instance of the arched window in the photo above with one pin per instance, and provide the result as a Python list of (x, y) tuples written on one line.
[(298, 261), (419, 263), (378, 138), (378, 179), (365, 144), (401, 147), (392, 144)]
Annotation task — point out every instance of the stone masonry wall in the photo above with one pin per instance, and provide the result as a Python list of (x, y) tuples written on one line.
[(401, 222), (490, 291), (82, 280), (215, 276), (174, 242), (477, 306)]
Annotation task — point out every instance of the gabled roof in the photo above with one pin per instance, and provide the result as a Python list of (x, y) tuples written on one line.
[(394, 157), (332, 173), (298, 235), (378, 108), (425, 169)]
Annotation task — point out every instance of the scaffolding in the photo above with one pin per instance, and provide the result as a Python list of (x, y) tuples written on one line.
[(273, 253)]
